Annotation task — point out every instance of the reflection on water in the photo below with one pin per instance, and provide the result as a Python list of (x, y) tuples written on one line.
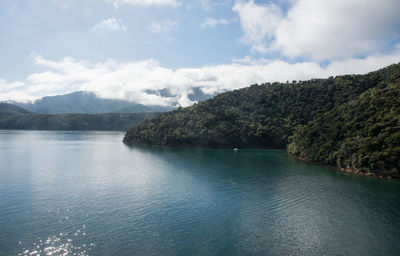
[(74, 242), (85, 193), (61, 244)]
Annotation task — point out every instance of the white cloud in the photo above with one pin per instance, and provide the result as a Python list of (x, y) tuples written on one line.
[(14, 90), (132, 80), (320, 30), (163, 26), (170, 3), (111, 24), (361, 66), (212, 22), (259, 23)]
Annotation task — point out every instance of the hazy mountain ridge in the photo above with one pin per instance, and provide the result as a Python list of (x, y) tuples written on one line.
[(9, 109), (280, 114), (85, 103)]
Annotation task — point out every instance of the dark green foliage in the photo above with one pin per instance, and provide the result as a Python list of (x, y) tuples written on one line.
[(13, 117), (362, 134), (349, 121)]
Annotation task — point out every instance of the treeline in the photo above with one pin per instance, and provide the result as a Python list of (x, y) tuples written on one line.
[(16, 118), (324, 120)]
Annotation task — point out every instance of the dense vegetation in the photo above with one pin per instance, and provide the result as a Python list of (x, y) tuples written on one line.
[(349, 121), (363, 134), (13, 117)]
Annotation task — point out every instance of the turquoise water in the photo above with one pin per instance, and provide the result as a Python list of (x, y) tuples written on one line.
[(89, 194)]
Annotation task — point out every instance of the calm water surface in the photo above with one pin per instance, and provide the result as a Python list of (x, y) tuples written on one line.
[(87, 193)]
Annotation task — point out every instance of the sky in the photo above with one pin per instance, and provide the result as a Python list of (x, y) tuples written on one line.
[(129, 49)]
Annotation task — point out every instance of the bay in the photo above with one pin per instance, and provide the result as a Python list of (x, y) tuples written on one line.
[(87, 193)]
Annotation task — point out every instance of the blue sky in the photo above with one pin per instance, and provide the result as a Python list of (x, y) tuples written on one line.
[(55, 29), (122, 48)]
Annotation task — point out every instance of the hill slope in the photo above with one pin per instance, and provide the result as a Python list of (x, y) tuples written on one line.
[(362, 134), (13, 117), (8, 109), (272, 115)]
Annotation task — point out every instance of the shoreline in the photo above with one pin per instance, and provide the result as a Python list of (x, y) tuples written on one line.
[(299, 158), (346, 170)]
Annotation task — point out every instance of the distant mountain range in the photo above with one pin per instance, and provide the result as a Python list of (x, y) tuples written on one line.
[(16, 118), (89, 103), (85, 103), (82, 111)]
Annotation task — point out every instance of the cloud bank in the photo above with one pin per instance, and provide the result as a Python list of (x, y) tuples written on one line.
[(133, 80)]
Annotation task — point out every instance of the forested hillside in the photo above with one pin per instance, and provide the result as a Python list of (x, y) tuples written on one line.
[(13, 117), (363, 134), (316, 118)]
